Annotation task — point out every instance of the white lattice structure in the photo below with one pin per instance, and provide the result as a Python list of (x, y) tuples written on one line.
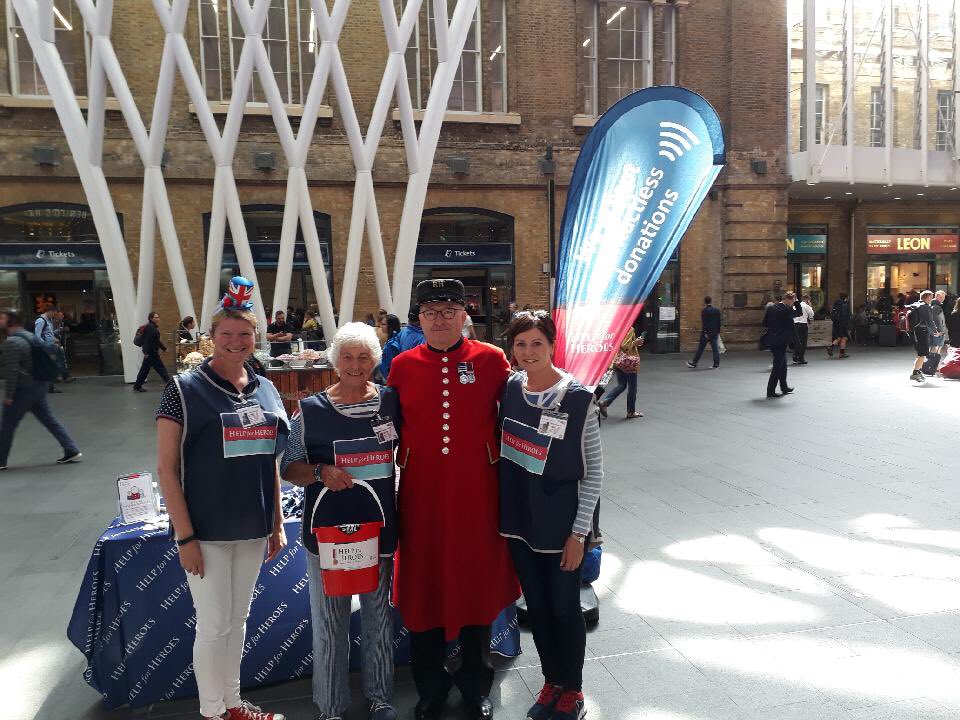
[(85, 139)]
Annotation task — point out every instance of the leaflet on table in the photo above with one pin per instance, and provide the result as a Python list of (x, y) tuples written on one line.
[(138, 498)]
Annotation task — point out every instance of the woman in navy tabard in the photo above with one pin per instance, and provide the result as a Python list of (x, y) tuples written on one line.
[(219, 431), (551, 470), (341, 451)]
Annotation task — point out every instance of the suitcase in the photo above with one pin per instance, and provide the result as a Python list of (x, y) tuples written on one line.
[(931, 364), (950, 367)]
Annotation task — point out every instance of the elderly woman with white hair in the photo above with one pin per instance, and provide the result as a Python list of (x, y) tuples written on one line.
[(341, 450)]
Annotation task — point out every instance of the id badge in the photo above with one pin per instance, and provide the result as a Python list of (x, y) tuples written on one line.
[(250, 414), (384, 430), (553, 424)]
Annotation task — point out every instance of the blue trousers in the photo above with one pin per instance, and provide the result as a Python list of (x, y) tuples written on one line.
[(31, 397), (704, 339), (625, 381), (151, 360)]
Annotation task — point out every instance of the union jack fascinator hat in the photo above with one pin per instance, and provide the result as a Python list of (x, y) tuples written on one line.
[(239, 295)]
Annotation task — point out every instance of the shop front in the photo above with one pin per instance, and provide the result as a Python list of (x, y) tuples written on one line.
[(50, 253), (476, 247), (903, 261), (806, 247), (659, 319), (263, 224)]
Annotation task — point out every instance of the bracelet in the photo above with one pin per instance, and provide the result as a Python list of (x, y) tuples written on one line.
[(318, 473), (189, 539), (580, 538)]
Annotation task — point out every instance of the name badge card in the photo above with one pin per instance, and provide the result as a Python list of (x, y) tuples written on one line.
[(138, 501), (250, 413), (553, 424), (384, 429)]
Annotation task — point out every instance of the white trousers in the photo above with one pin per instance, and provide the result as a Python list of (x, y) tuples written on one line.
[(222, 601)]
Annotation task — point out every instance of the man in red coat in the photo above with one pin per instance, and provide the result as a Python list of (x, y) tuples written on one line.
[(454, 573)]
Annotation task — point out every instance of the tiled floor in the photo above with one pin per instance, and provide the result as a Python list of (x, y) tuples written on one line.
[(790, 559)]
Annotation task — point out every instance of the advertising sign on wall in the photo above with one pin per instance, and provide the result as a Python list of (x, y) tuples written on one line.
[(806, 243), (907, 244)]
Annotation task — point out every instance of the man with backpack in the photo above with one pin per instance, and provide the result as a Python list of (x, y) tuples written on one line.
[(923, 325), (840, 316), (29, 367), (45, 327), (148, 338)]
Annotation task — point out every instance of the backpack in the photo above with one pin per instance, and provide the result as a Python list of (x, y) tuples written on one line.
[(910, 319), (47, 360), (138, 337)]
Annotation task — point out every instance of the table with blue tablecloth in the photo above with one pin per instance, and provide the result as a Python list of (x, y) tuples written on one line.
[(134, 621)]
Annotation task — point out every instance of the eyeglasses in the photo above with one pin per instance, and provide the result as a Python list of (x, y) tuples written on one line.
[(446, 313)]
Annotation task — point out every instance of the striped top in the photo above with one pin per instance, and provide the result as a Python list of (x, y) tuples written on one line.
[(589, 493)]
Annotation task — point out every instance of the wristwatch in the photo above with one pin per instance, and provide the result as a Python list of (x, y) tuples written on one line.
[(318, 472), (580, 538)]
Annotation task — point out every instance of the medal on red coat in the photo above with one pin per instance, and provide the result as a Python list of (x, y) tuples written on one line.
[(467, 376)]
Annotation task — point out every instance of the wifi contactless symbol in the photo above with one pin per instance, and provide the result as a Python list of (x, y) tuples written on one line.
[(674, 144)]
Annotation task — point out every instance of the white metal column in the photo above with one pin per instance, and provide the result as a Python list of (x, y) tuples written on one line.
[(849, 91), (923, 73), (809, 108), (888, 90)]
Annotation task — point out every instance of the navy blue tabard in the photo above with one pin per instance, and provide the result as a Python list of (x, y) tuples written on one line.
[(228, 471), (332, 438), (539, 475)]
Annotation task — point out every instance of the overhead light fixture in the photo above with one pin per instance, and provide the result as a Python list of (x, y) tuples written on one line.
[(919, 194), (587, 42), (827, 197), (849, 193), (953, 188), (896, 198), (494, 53), (616, 14)]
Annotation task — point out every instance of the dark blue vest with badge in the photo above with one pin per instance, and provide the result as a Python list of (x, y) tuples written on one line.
[(228, 464), (350, 443), (540, 475)]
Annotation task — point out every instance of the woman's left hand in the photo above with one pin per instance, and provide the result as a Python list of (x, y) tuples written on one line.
[(276, 542), (572, 554)]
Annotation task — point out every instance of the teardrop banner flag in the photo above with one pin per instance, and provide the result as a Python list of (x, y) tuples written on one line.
[(642, 173)]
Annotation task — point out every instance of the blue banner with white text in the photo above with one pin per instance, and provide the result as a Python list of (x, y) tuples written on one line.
[(642, 174)]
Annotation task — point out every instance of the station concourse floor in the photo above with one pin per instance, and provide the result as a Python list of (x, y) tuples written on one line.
[(787, 559)]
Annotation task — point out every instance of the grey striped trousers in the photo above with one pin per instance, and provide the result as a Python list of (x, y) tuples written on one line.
[(330, 618)]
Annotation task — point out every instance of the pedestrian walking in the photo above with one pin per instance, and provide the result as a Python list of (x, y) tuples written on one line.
[(551, 472), (939, 340), (44, 328), (354, 485), (25, 393), (152, 346), (840, 331), (710, 321), (454, 573), (953, 324), (220, 429), (802, 317), (625, 367), (923, 326), (778, 320)]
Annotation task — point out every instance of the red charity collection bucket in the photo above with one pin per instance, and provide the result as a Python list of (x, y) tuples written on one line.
[(349, 558)]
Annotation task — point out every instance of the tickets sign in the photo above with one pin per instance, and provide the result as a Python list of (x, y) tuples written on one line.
[(906, 244), (642, 173)]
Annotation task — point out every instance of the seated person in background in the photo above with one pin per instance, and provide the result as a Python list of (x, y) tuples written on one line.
[(187, 332), (279, 333)]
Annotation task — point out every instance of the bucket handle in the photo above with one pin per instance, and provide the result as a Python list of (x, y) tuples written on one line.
[(362, 483)]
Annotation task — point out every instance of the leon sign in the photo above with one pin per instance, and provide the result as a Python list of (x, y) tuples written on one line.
[(892, 244)]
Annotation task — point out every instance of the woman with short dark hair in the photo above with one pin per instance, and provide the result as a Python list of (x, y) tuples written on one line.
[(551, 471)]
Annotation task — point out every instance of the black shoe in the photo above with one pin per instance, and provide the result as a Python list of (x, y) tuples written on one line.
[(603, 408), (54, 390), (786, 391), (804, 362), (715, 367), (844, 354), (3, 467), (429, 710), (691, 364), (773, 395), (69, 379), (137, 388), (479, 709), (830, 350), (70, 458), (382, 711)]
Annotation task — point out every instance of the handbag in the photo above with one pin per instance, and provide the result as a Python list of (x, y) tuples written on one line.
[(626, 363), (721, 348)]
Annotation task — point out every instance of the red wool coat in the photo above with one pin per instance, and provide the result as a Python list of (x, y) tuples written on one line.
[(453, 568)]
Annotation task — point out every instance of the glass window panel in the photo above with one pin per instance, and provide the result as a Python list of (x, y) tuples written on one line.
[(905, 74), (868, 89), (588, 59), (795, 33)]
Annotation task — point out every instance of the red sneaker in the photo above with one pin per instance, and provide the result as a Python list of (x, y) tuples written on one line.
[(249, 711), (542, 709), (570, 706)]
